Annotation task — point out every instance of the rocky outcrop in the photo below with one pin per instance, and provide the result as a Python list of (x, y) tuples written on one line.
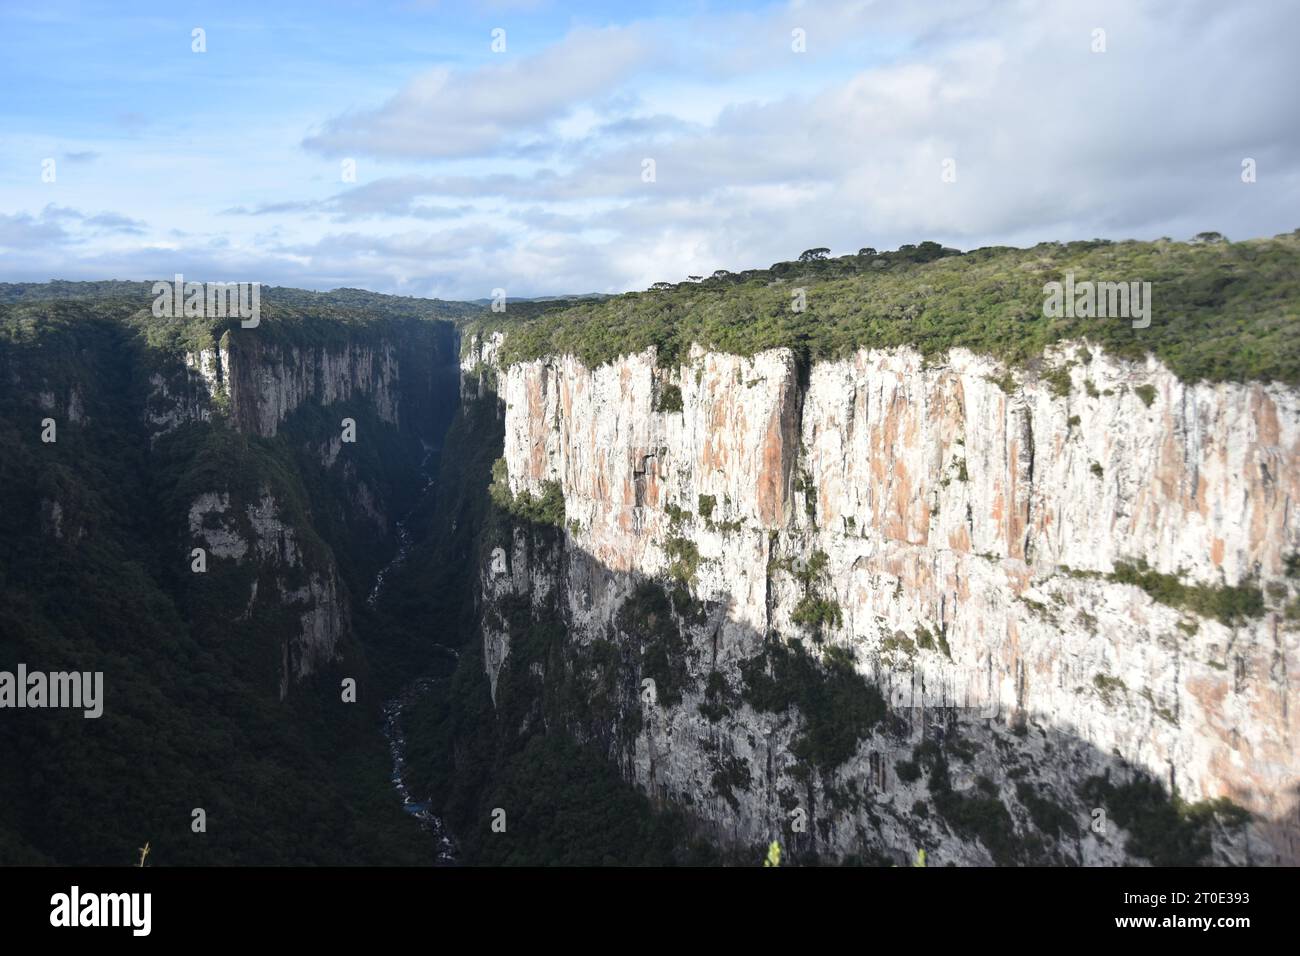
[(185, 393), (267, 383), (284, 579), (1081, 571), (479, 364), (260, 383)]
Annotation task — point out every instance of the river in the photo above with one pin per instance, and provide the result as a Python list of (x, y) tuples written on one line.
[(394, 708)]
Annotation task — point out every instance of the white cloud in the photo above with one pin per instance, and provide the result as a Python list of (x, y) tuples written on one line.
[(446, 113), (525, 169), (20, 232)]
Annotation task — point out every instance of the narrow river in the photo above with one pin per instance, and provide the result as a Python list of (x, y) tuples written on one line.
[(427, 819), (394, 708)]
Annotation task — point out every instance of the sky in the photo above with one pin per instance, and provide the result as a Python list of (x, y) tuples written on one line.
[(448, 149)]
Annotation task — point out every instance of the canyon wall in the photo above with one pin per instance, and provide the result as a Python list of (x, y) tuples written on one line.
[(260, 384), (1086, 572), (404, 377)]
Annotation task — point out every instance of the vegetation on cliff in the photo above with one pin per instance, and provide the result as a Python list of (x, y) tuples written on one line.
[(32, 311), (545, 508), (837, 704), (1220, 310), (95, 568), (1166, 830), (1230, 605), (534, 753)]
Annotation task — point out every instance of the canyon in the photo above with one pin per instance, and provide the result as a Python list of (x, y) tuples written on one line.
[(867, 603), (408, 379), (203, 533)]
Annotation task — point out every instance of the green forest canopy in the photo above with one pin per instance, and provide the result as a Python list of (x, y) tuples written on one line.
[(1221, 310)]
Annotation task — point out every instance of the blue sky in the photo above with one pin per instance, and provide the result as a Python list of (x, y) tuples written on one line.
[(523, 169)]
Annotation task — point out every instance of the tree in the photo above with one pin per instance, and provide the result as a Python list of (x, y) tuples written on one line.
[(695, 278), (721, 274), (866, 251), (814, 255), (661, 287), (1209, 237)]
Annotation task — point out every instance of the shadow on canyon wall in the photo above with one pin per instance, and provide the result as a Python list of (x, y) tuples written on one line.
[(96, 576), (741, 735)]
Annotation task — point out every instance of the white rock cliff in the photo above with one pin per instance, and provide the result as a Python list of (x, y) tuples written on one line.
[(971, 528)]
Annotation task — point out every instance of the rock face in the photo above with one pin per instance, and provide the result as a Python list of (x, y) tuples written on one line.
[(407, 379), (263, 384), (267, 382), (284, 577), (185, 395), (986, 549), (479, 364)]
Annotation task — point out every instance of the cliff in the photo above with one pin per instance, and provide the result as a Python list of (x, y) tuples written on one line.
[(180, 512), (245, 437), (397, 383), (1060, 582), (262, 383)]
